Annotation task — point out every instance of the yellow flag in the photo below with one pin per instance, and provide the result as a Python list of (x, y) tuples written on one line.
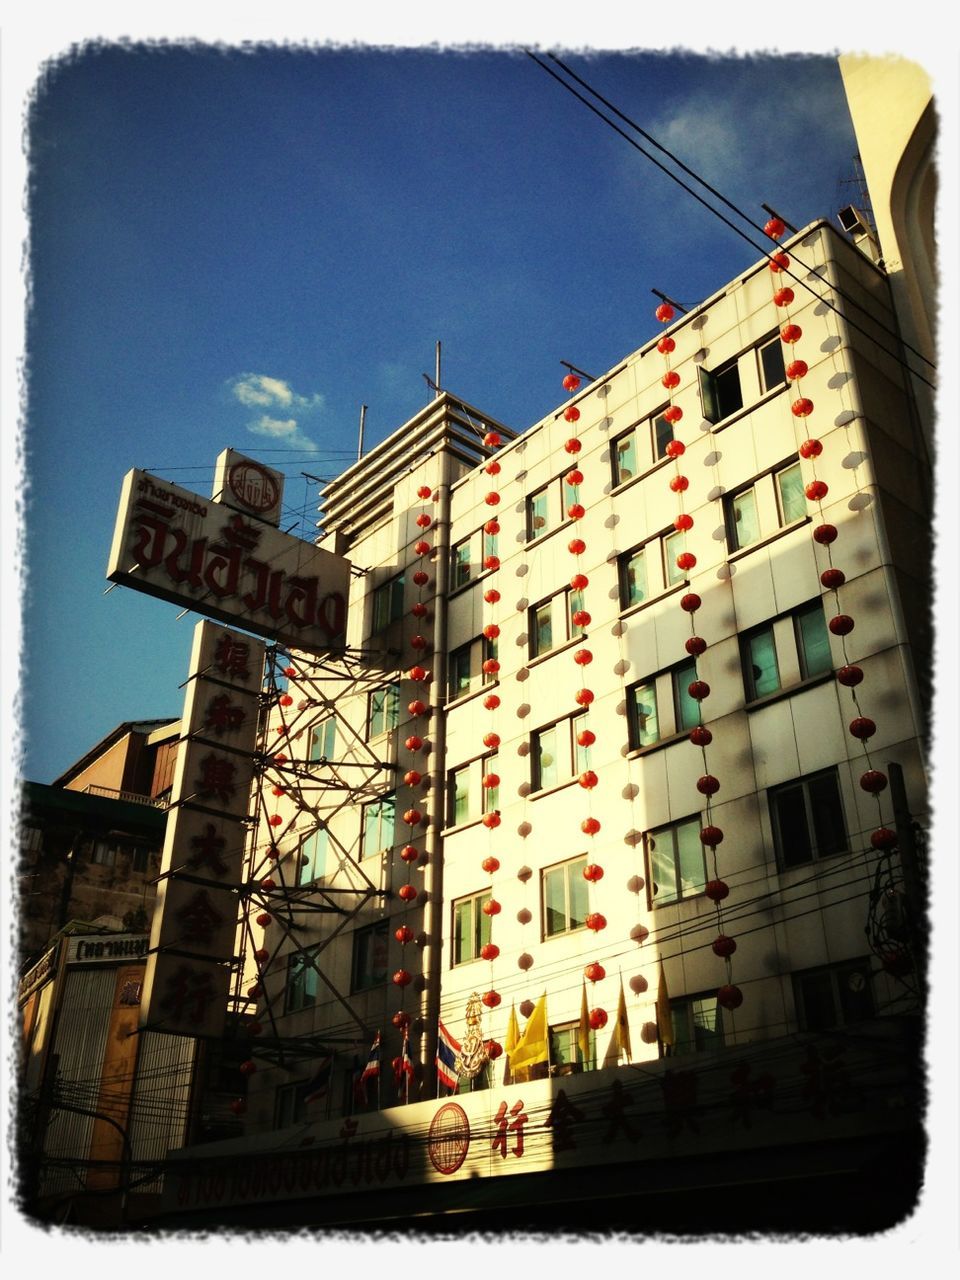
[(513, 1031), (664, 1020), (583, 1031), (532, 1045), (623, 1025)]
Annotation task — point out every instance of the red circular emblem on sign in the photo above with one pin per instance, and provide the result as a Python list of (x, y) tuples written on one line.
[(253, 486), (449, 1138)]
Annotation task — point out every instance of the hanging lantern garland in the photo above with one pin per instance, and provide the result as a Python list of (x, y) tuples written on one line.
[(729, 996), (873, 781), (491, 739)]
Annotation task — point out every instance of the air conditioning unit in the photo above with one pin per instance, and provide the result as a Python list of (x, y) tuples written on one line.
[(855, 224)]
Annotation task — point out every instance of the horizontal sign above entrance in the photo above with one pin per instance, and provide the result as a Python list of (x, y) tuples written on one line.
[(213, 559)]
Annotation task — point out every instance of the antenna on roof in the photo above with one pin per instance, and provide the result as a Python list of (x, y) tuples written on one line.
[(363, 418)]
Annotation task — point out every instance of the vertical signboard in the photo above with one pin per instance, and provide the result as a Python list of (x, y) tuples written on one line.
[(195, 921)]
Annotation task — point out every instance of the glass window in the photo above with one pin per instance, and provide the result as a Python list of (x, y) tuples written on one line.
[(743, 521), (566, 1055), (720, 391), (697, 1025), (323, 738), (541, 630), (378, 826), (564, 897), (772, 372), (103, 854), (760, 663), (807, 818), (581, 753), (388, 603), (460, 795), (383, 712), (834, 995), (313, 856), (471, 927), (673, 544), (662, 435), (624, 457), (370, 956), (301, 990), (633, 579), (488, 650), (461, 564), (687, 708), (460, 671), (645, 723), (545, 769), (676, 864), (813, 640), (792, 499), (538, 514), (491, 795)]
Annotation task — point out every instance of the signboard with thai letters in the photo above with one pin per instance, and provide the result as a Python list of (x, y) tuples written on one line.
[(227, 561), (195, 919), (248, 486)]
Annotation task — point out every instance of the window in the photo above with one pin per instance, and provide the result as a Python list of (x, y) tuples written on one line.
[(793, 647), (387, 603), (720, 391), (301, 990), (378, 826), (687, 709), (640, 447), (370, 956), (833, 995), (551, 621), (313, 856), (660, 707), (467, 797), (471, 927), (623, 454), (642, 709), (538, 513), (383, 710), (291, 1105), (773, 501), (676, 868), (323, 739), (697, 1025), (650, 569), (565, 897), (770, 361), (103, 853), (556, 754), (141, 858), (566, 1055), (807, 819), (465, 673), (469, 557)]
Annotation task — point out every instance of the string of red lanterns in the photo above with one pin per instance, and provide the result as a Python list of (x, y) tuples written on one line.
[(490, 781)]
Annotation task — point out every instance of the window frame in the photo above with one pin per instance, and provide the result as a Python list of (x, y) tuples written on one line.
[(392, 589), (327, 730), (481, 926), (478, 545), (659, 552), (794, 646), (843, 1012), (479, 799), (572, 869), (577, 1065), (566, 744), (392, 715), (572, 602), (654, 900), (312, 861), (769, 508), (772, 340), (301, 984), (691, 1043), (388, 798), (359, 980), (811, 810), (643, 435), (714, 389), (475, 653)]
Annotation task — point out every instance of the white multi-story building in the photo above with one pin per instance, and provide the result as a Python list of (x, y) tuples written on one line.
[(630, 728)]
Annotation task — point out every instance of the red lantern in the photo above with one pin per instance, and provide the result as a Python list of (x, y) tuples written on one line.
[(280, 758), (417, 642), (492, 527), (286, 701), (572, 445), (593, 872), (666, 345), (730, 997), (491, 595), (571, 382), (238, 1106), (779, 262), (491, 781), (492, 468), (723, 946), (419, 610), (825, 534), (492, 440), (576, 546), (796, 369), (594, 972), (490, 865), (491, 740), (783, 297), (884, 838), (698, 690), (695, 645), (664, 313), (417, 707), (850, 675), (708, 785), (590, 826), (420, 578), (791, 333), (671, 379), (586, 738), (402, 978), (574, 477), (276, 820), (571, 413), (583, 697), (580, 618), (811, 449), (672, 414), (489, 951), (413, 743), (802, 408), (675, 449), (598, 1019), (833, 578), (683, 522), (716, 890), (274, 853), (595, 921), (423, 521), (816, 490), (407, 893), (255, 991), (268, 884), (491, 999), (491, 907), (691, 602), (412, 817), (841, 625), (576, 511), (291, 672), (409, 853), (494, 1050), (491, 701), (421, 547), (686, 560), (400, 1019), (263, 919), (579, 581), (491, 820), (583, 657), (404, 934), (775, 228), (261, 955), (491, 562), (279, 791), (492, 499), (417, 673), (588, 779), (490, 666), (679, 484), (424, 491), (873, 781), (701, 736), (863, 727), (412, 778)]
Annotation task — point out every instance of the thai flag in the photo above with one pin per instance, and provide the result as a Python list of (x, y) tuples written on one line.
[(318, 1086), (373, 1061), (447, 1050), (404, 1065)]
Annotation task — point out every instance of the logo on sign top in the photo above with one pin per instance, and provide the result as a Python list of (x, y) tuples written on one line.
[(448, 1140), (253, 486)]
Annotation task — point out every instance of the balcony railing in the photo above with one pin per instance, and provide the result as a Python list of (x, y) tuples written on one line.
[(132, 797)]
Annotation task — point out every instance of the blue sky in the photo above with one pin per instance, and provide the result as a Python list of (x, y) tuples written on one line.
[(241, 248)]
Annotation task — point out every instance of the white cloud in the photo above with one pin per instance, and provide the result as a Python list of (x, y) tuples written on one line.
[(285, 431), (260, 391)]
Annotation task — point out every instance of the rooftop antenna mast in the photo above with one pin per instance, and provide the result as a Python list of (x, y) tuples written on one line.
[(363, 418), (436, 379)]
